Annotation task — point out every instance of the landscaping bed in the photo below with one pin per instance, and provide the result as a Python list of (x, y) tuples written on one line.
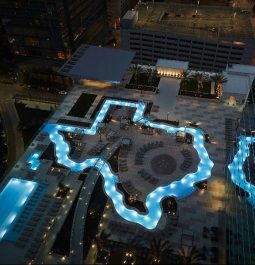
[(143, 79), (196, 94), (102, 100), (142, 83), (82, 105), (190, 88)]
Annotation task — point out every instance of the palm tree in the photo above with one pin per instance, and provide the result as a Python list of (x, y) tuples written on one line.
[(101, 239), (153, 73), (189, 255), (219, 79), (157, 248), (185, 80), (129, 258), (129, 251), (185, 75), (136, 69), (200, 78)]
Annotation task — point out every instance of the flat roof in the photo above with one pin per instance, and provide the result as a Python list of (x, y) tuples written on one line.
[(172, 64), (202, 2), (203, 21), (98, 64), (12, 200), (129, 14), (236, 84), (242, 68)]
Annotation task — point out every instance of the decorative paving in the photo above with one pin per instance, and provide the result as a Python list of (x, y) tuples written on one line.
[(178, 189), (163, 164)]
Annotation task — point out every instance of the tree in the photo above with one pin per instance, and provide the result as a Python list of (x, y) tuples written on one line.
[(129, 254), (189, 255), (153, 73), (185, 80), (136, 69), (219, 80), (101, 239), (185, 75), (129, 258), (157, 248), (200, 78)]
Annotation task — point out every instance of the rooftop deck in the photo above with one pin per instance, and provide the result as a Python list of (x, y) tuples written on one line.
[(209, 22)]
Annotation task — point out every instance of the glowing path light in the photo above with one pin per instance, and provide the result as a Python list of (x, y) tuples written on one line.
[(178, 189), (12, 200), (236, 167)]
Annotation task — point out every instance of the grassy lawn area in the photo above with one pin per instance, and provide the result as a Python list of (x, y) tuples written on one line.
[(82, 105), (191, 86)]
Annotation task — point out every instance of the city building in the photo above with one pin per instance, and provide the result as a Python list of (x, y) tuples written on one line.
[(240, 79), (116, 9), (208, 37), (52, 29), (117, 171)]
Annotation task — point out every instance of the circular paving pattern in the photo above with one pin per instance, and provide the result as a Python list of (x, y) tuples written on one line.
[(163, 164)]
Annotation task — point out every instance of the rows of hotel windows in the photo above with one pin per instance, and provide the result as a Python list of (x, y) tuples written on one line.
[(150, 47)]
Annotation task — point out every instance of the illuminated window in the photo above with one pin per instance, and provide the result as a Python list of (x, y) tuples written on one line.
[(61, 55)]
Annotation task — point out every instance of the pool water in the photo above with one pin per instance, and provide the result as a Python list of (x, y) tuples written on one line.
[(236, 167), (178, 189), (12, 201)]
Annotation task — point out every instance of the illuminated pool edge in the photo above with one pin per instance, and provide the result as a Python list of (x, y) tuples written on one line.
[(236, 167), (34, 161), (178, 189), (27, 188)]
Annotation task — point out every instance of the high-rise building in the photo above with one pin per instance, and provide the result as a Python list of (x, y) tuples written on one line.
[(51, 28), (208, 37), (116, 9)]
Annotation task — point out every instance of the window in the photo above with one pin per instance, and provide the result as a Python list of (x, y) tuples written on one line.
[(223, 46), (211, 44), (198, 42), (184, 46), (134, 39), (159, 42), (172, 39), (147, 35)]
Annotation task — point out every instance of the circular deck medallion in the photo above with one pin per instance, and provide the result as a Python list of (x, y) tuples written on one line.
[(163, 164)]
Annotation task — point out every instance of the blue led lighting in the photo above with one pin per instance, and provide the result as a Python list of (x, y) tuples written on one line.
[(34, 161), (236, 167), (178, 189), (12, 200)]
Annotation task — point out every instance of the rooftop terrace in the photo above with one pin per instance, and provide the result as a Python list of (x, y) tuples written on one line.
[(208, 22)]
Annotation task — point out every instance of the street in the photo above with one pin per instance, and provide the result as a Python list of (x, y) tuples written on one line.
[(10, 115)]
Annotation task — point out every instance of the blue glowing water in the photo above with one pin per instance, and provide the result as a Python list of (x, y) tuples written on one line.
[(236, 167), (12, 200), (178, 189)]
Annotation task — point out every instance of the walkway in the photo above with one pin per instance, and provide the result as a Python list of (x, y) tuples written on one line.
[(77, 235), (166, 99)]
